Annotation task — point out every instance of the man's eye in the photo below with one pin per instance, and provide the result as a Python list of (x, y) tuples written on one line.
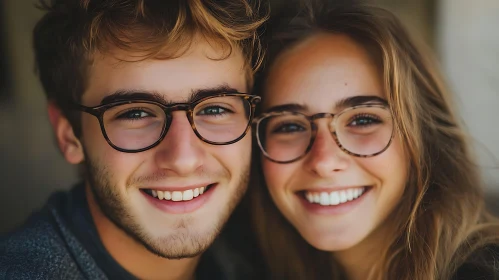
[(134, 115), (213, 110)]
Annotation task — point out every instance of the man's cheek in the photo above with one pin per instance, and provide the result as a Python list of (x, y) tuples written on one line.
[(233, 156)]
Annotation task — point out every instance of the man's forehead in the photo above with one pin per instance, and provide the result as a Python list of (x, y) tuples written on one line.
[(199, 47), (175, 78)]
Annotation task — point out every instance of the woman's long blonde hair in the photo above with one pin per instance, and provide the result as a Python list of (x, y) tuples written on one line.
[(441, 219)]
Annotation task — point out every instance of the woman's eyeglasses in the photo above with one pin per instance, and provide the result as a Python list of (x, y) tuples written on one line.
[(362, 131)]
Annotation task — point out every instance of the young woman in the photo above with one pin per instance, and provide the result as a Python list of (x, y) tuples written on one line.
[(367, 170)]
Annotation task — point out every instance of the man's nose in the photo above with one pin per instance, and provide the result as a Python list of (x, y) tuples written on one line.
[(181, 151)]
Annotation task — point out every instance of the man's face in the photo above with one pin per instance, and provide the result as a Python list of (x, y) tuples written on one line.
[(123, 183)]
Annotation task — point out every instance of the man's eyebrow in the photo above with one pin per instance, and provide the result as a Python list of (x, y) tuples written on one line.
[(196, 94), (359, 100), (125, 95)]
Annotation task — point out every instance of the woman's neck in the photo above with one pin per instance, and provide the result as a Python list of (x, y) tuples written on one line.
[(360, 261)]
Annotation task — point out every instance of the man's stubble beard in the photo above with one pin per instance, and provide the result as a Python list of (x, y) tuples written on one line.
[(183, 243)]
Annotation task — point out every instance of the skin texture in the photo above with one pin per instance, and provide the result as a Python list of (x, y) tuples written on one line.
[(316, 74), (145, 240)]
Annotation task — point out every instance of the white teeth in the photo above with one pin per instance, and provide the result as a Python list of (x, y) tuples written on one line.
[(310, 197), (188, 195), (176, 196), (350, 194), (160, 195), (343, 197), (168, 195), (324, 198), (334, 198), (358, 192)]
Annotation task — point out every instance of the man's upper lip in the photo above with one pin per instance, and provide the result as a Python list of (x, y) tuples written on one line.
[(177, 187)]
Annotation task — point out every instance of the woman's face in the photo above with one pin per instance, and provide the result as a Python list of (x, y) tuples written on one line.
[(335, 200)]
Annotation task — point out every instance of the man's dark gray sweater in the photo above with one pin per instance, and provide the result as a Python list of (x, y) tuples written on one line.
[(61, 242)]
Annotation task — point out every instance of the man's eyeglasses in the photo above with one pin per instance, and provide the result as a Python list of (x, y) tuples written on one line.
[(362, 131), (133, 126)]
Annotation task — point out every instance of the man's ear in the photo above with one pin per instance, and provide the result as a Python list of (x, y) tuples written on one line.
[(69, 144)]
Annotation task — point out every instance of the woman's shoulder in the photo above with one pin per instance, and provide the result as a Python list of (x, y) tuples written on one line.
[(483, 264)]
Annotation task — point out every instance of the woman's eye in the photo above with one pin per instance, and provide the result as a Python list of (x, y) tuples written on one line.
[(364, 121), (288, 128), (134, 114)]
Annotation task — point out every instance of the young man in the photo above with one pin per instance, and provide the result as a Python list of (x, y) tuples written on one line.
[(150, 98)]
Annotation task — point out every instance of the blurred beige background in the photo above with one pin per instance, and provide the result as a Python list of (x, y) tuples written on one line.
[(464, 34)]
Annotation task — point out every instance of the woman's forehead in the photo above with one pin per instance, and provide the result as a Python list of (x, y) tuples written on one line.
[(322, 70)]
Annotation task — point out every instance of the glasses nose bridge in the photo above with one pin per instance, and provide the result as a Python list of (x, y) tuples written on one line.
[(321, 116), (178, 107), (169, 109), (313, 119)]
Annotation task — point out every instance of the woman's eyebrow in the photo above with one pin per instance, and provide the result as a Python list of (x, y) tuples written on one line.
[(287, 107), (340, 104), (359, 100)]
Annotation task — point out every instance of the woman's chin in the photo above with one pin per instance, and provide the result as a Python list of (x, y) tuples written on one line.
[(332, 242)]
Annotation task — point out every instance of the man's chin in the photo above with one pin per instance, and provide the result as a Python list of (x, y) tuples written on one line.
[(171, 256), (179, 245)]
